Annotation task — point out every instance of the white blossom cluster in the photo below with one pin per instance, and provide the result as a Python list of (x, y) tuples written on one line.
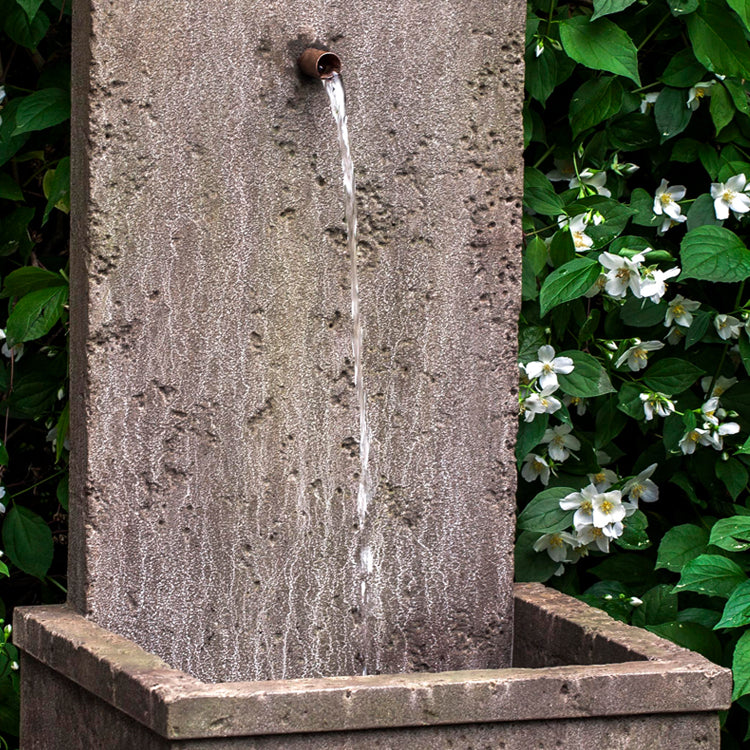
[(712, 419), (600, 511), (540, 379)]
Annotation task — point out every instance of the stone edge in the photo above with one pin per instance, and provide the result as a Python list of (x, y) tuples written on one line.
[(649, 675)]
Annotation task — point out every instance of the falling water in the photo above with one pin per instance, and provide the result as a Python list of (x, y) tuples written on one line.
[(335, 90)]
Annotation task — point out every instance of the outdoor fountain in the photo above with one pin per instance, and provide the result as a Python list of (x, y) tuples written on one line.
[(239, 556)]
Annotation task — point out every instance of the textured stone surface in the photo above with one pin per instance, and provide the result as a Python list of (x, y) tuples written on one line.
[(214, 428), (60, 715), (86, 687)]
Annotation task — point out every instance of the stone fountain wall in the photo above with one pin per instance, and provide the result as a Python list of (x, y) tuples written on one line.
[(214, 426)]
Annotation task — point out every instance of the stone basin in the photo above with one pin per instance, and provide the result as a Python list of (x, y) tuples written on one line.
[(579, 679)]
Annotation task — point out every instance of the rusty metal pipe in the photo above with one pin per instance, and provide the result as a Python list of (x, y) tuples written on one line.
[(318, 63)]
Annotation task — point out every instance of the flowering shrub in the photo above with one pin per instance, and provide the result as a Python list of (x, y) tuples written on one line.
[(34, 199), (634, 428)]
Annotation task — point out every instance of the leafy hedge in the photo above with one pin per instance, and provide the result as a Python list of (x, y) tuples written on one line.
[(34, 201), (634, 434)]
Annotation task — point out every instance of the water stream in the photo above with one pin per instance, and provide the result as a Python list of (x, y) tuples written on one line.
[(335, 90)]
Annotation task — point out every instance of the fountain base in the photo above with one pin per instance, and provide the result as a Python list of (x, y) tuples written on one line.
[(579, 679)]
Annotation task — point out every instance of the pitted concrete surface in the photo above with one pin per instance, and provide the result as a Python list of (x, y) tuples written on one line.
[(214, 425)]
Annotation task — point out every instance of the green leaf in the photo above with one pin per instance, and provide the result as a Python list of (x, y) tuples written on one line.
[(683, 70), (530, 340), (544, 514), (545, 72), (632, 132), (739, 95), (568, 282), (642, 313), (706, 617), (539, 195), (610, 422), (737, 609), (734, 476), (702, 213), (57, 189), (721, 107), (24, 31), (588, 378), (29, 278), (719, 41), (605, 7), (4, 458), (741, 666), (671, 113), (597, 100), (42, 109), (680, 545), (631, 568), (35, 314), (62, 431), (30, 7), (699, 326), (528, 281), (629, 400), (682, 7), (634, 535), (672, 375), (742, 9), (62, 493), (28, 541), (642, 204), (685, 150), (529, 435), (692, 636), (536, 253), (731, 534), (9, 188), (529, 564), (9, 144), (712, 575), (714, 254), (600, 45), (659, 606), (709, 159)]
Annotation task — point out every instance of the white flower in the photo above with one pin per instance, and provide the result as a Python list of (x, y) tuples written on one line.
[(717, 432), (540, 403), (697, 92), (665, 200), (564, 170), (539, 47), (648, 101), (721, 386), (637, 355), (653, 283), (535, 467), (576, 401), (583, 504), (556, 545), (603, 479), (727, 326), (597, 286), (577, 226), (675, 335), (680, 310), (711, 412), (729, 196), (641, 487), (656, 402), (608, 509), (561, 442), (591, 535), (548, 367), (14, 666), (595, 179), (622, 273), (668, 222), (692, 438)]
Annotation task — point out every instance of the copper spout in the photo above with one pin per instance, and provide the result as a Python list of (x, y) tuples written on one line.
[(318, 63)]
